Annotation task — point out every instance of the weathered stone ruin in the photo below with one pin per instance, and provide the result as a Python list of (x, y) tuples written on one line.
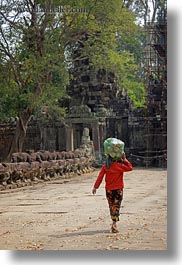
[(27, 168)]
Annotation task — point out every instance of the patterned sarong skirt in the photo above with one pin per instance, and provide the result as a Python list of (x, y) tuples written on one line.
[(114, 198)]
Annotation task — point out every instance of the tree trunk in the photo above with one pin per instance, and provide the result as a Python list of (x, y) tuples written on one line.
[(20, 133)]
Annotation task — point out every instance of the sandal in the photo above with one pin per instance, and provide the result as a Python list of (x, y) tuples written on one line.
[(114, 229)]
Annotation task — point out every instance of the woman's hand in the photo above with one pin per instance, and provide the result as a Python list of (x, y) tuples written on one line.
[(123, 156), (94, 191)]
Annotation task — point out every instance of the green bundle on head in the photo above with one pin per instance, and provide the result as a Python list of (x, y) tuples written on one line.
[(114, 148)]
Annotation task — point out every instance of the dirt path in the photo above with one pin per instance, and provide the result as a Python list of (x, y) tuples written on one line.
[(64, 215)]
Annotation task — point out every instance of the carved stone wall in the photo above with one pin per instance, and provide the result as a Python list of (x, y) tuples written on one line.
[(6, 137), (40, 136)]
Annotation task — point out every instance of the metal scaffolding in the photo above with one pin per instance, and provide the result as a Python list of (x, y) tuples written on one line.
[(156, 87)]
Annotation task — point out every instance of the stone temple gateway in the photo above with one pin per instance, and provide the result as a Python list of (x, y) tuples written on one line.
[(100, 109), (89, 107)]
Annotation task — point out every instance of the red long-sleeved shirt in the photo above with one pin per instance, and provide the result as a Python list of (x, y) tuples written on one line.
[(113, 175)]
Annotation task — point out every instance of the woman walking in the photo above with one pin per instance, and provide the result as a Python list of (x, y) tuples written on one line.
[(113, 171)]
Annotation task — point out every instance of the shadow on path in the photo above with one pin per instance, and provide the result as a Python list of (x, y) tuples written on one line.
[(84, 233)]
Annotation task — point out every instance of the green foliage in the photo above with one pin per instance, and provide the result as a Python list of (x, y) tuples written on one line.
[(134, 43), (136, 91), (37, 75), (134, 72)]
